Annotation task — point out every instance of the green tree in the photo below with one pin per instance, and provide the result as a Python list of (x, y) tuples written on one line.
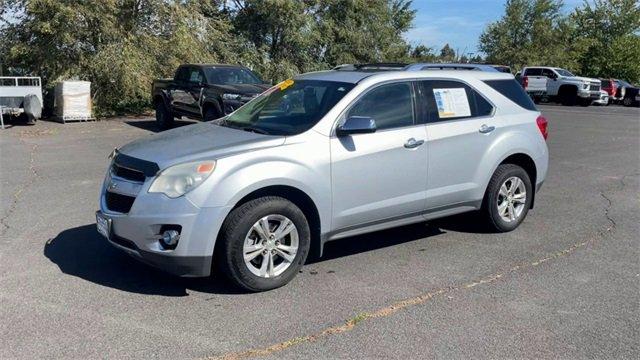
[(118, 45), (609, 30), (447, 54)]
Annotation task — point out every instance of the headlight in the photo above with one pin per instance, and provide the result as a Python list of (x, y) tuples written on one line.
[(179, 179), (231, 96)]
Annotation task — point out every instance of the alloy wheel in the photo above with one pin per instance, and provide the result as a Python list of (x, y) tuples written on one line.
[(270, 246), (512, 198)]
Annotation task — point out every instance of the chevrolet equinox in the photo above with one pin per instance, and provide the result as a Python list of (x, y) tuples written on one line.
[(320, 157)]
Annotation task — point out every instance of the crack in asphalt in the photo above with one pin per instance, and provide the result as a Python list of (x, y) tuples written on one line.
[(426, 297), (33, 175)]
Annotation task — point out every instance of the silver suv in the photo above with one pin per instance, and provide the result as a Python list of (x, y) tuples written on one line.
[(324, 156)]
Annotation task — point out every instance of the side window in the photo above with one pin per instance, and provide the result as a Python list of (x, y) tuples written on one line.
[(533, 72), (548, 73), (442, 100), (195, 76), (389, 105)]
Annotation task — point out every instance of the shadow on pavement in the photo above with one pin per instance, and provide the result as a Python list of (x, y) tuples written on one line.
[(151, 125), (377, 240), (84, 253), (471, 222)]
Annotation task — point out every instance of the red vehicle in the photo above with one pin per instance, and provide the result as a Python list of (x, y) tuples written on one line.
[(610, 86)]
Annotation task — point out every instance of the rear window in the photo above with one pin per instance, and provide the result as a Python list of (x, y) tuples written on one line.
[(533, 72), (512, 90), (606, 83)]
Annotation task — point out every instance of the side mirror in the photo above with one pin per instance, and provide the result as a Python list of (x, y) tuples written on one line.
[(357, 125)]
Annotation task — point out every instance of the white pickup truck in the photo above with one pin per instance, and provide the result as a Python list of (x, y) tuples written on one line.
[(559, 85), (21, 96)]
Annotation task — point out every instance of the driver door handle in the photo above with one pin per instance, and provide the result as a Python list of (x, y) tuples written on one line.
[(484, 129), (413, 143)]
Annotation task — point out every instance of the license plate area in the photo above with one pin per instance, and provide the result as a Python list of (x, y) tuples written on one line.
[(103, 224)]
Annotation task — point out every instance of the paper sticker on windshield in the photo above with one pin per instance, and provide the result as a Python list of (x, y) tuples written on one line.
[(285, 84), (452, 102)]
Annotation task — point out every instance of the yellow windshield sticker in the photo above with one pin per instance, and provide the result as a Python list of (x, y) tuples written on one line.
[(285, 84)]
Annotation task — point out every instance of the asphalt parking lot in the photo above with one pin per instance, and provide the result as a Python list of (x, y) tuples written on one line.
[(566, 284)]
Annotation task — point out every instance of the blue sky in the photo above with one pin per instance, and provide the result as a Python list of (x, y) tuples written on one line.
[(457, 22)]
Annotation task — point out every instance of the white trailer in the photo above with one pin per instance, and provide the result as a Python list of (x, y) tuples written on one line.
[(21, 95)]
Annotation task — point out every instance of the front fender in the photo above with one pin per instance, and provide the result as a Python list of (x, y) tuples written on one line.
[(238, 176)]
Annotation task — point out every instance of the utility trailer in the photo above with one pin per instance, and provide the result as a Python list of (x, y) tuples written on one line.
[(21, 96)]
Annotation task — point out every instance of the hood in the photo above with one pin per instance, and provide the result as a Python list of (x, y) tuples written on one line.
[(242, 89), (583, 79), (196, 142)]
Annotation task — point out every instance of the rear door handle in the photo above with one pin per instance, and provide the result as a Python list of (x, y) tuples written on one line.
[(484, 129), (413, 143)]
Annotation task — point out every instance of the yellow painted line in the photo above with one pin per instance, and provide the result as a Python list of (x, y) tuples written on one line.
[(402, 304)]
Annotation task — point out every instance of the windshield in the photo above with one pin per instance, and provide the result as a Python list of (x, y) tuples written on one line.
[(624, 83), (288, 108), (564, 72), (231, 76)]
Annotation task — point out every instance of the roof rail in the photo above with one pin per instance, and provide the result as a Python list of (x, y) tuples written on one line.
[(371, 67)]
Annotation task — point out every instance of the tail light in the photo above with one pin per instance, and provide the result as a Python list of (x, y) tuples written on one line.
[(543, 126), (525, 81)]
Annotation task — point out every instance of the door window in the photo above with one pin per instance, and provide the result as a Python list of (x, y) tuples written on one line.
[(391, 106), (195, 76), (442, 100), (548, 73), (533, 72)]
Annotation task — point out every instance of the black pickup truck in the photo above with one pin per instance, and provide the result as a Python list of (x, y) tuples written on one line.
[(204, 92)]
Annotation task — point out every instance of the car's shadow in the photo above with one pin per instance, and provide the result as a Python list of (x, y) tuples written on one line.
[(151, 125), (82, 252)]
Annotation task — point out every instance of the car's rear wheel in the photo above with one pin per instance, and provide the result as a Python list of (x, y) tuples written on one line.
[(164, 117), (263, 243), (508, 198), (627, 101)]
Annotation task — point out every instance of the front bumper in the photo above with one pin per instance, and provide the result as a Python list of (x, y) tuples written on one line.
[(138, 233), (589, 94)]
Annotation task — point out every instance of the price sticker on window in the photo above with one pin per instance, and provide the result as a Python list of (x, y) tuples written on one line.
[(285, 84)]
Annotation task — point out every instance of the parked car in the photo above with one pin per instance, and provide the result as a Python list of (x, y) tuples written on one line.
[(603, 100), (21, 96), (321, 157), (627, 94), (611, 87), (559, 85), (204, 92), (451, 66)]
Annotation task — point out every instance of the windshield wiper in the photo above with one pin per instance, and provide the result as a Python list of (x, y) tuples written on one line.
[(255, 130)]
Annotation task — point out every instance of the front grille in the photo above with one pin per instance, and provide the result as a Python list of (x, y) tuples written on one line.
[(128, 174), (594, 88), (119, 203)]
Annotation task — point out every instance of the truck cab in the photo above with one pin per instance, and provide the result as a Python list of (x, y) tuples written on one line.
[(204, 92)]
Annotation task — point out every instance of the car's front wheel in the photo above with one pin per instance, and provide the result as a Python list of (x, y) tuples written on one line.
[(508, 198), (164, 117), (263, 243)]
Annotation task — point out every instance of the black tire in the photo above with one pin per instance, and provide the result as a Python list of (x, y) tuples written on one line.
[(536, 100), (568, 96), (211, 113), (164, 117), (491, 198), (229, 249), (627, 101)]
